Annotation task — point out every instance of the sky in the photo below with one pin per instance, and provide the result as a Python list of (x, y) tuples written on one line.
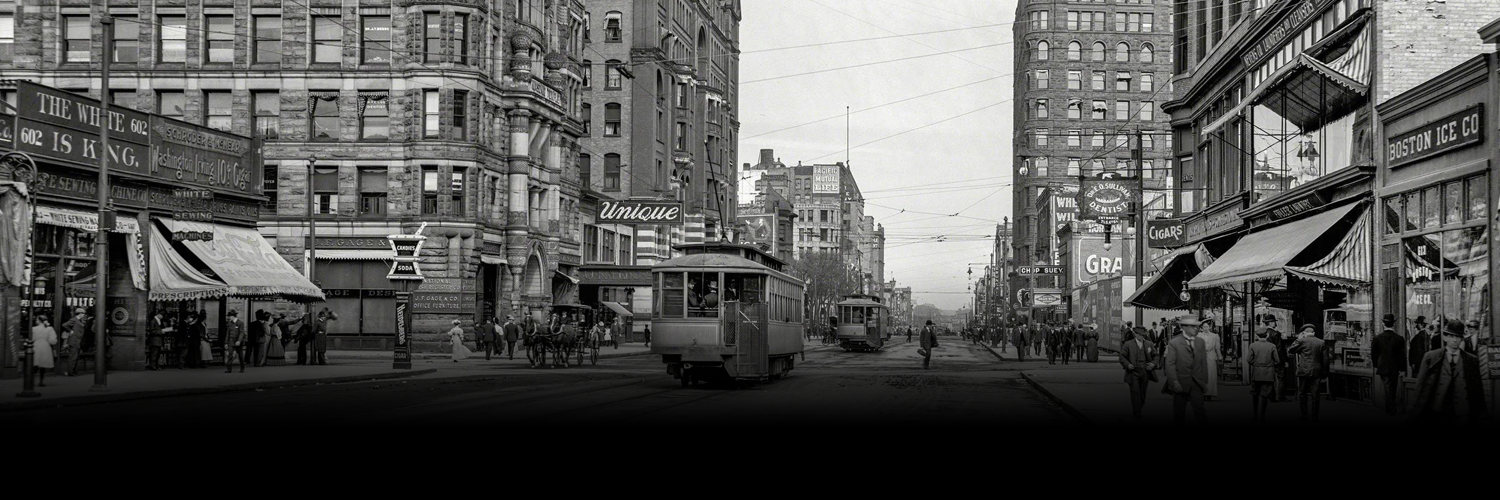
[(943, 154)]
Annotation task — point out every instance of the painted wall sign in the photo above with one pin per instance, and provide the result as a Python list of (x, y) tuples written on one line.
[(443, 303), (1046, 297), (629, 277), (185, 152), (1091, 263), (77, 184), (51, 141), (1298, 207), (1214, 223), (639, 212), (1464, 128), (1288, 27), (75, 112), (355, 242), (1164, 233)]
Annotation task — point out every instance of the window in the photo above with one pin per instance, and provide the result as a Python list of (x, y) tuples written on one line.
[(1099, 21), (460, 114), (682, 95), (374, 117), (682, 133), (429, 189), (431, 114), (267, 41), (673, 297), (1073, 80), (173, 39), (588, 73), (612, 172), (1147, 111), (612, 32), (1122, 140), (268, 187), (76, 39), (1147, 21), (375, 40), (1148, 169), (220, 39), (1097, 110), (1073, 166), (461, 38), (1041, 138), (1039, 166), (1041, 108), (1075, 109), (1147, 82), (1039, 20), (1041, 78), (1073, 20), (1147, 142), (1146, 54), (612, 120), (1043, 50), (432, 29), (325, 190), (1477, 189), (606, 247), (1085, 21), (218, 110), (612, 74), (372, 190), (324, 116), (1075, 51), (586, 170), (1122, 52), (587, 112), (1097, 82), (125, 98), (267, 109), (456, 190), (171, 104), (1074, 138), (625, 250), (127, 40), (1122, 81), (1098, 52), (1135, 22), (1098, 140), (1120, 21), (1122, 110), (8, 37), (328, 40)]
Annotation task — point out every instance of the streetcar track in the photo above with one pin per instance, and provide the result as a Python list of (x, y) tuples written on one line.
[(495, 395)]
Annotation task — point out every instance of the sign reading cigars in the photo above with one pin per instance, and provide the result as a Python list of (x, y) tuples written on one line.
[(639, 212), (1454, 131), (1164, 233)]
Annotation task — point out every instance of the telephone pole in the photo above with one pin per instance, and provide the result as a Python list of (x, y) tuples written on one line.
[(1140, 221)]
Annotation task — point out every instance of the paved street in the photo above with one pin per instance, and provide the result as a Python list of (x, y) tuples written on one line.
[(967, 386)]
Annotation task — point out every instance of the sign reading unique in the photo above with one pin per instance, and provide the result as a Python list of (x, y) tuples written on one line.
[(639, 212), (1105, 199), (1039, 270), (1164, 233), (1464, 128)]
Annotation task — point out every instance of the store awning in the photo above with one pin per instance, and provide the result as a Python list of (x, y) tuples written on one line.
[(565, 276), (618, 309), (1348, 265), (1265, 254), (174, 279), (356, 254), (1162, 290), (1310, 93), (245, 261)]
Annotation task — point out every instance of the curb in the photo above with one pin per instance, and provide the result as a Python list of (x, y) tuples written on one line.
[(167, 393), (1052, 397)]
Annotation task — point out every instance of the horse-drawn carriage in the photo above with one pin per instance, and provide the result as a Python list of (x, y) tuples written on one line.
[(554, 341)]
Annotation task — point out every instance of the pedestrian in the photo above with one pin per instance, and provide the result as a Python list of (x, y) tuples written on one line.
[(603, 334), (180, 340), (275, 352), (1263, 361), (1471, 336), (255, 339), (304, 339), (154, 341), (1138, 357), (1310, 369), (1018, 337), (1080, 341), (512, 334), (1210, 335), (1052, 338), (1091, 342), (1273, 336), (1388, 353), (486, 334), (320, 335), (1186, 363), (908, 334), (195, 342), (74, 330), (647, 334), (928, 343), (456, 336), (1417, 344), (234, 341), (1038, 335), (1449, 387), (43, 340)]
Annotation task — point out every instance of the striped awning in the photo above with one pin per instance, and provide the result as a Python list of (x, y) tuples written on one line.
[(1349, 263), (1265, 254)]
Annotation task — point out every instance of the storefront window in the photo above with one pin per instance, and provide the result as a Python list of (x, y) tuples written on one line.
[(1432, 203), (1413, 210), (1453, 203), (65, 241), (1392, 215), (1447, 277), (1423, 277), (1478, 196)]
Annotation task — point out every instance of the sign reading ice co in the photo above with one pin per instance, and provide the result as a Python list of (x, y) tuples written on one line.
[(1454, 131), (639, 212)]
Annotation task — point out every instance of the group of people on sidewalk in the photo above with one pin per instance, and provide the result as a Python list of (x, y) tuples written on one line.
[(1062, 340), (75, 345), (1449, 386), (500, 339)]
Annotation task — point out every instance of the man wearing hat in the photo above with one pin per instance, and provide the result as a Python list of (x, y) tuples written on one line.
[(1263, 360), (1388, 352), (1312, 364), (1186, 363), (234, 341), (1138, 358), (929, 342), (1449, 389), (1418, 344), (1209, 332), (512, 334)]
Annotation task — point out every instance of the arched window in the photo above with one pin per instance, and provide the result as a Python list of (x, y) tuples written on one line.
[(703, 53), (1043, 50), (612, 120), (612, 74), (1122, 52), (1098, 55), (1075, 51), (612, 27), (612, 172), (1146, 55)]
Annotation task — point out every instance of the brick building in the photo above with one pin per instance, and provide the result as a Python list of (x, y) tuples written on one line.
[(462, 116), (1089, 75)]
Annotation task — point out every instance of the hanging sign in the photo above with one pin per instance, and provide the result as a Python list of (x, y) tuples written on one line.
[(1039, 270), (1164, 233), (1464, 128), (1105, 198), (1046, 297), (639, 212)]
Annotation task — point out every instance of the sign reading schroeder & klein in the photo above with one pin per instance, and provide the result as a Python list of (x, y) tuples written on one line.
[(639, 212)]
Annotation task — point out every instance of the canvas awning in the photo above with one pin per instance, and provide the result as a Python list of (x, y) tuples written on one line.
[(1348, 265), (245, 261), (356, 254), (1310, 93), (618, 309), (1163, 290), (565, 276), (174, 279), (1265, 254)]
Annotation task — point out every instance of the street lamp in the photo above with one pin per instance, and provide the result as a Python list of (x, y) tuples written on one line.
[(23, 169)]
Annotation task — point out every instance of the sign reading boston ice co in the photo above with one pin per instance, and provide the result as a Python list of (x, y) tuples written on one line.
[(1454, 131), (639, 212)]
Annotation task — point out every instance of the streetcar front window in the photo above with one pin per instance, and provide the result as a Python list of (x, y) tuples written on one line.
[(858, 317), (703, 295), (672, 295)]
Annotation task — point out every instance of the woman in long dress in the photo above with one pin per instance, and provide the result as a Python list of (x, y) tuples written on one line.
[(456, 335), (275, 350), (1211, 344), (43, 337)]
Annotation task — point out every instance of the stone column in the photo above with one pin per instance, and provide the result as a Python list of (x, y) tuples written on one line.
[(516, 228)]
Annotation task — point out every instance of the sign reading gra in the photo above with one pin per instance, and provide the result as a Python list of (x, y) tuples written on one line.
[(639, 212), (1105, 199), (1039, 270), (1164, 233), (1454, 131)]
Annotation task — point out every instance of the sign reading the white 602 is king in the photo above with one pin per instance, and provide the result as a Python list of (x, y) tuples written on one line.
[(1105, 199), (640, 212)]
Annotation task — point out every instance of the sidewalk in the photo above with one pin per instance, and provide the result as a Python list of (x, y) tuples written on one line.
[(627, 349), (1039, 361)]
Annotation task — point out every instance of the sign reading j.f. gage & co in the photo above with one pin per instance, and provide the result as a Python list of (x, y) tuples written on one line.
[(1454, 131), (639, 212)]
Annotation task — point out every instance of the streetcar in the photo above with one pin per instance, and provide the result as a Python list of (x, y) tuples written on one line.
[(725, 312), (863, 323)]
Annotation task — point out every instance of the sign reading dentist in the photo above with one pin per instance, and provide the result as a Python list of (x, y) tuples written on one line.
[(639, 212)]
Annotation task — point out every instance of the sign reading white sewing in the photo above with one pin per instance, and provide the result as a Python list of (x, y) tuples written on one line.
[(1164, 233), (1464, 128), (639, 212), (1105, 199)]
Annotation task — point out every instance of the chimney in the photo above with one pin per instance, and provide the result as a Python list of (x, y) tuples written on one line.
[(747, 166), (767, 156)]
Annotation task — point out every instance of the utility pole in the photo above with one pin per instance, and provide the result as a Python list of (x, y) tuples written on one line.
[(106, 213), (1136, 157), (312, 238)]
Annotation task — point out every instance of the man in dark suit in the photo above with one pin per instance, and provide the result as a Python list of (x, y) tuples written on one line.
[(1018, 337), (1312, 367), (1388, 352), (1138, 358), (1418, 343), (1079, 341), (1186, 361), (1065, 340), (1449, 387), (1053, 338)]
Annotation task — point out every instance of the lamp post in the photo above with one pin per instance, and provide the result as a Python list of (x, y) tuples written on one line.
[(312, 232), (23, 169), (106, 213), (406, 276)]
